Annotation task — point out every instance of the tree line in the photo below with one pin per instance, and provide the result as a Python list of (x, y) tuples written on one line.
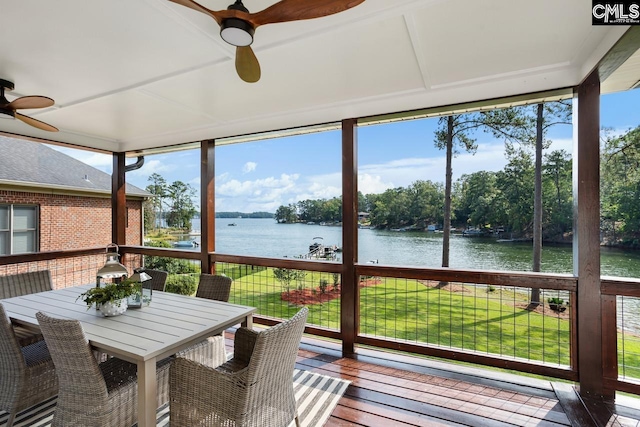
[(505, 199), (481, 200)]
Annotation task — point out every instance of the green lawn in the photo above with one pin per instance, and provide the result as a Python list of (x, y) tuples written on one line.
[(474, 320), (479, 321)]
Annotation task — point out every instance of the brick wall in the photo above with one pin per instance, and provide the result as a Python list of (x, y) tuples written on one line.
[(76, 222), (65, 272)]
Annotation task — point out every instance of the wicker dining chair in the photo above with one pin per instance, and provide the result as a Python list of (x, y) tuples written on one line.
[(17, 285), (92, 394), (254, 388), (27, 374), (210, 351), (215, 287), (158, 279)]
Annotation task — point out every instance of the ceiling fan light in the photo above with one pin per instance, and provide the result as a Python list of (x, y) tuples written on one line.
[(237, 32)]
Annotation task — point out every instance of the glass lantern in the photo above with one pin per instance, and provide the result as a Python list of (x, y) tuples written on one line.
[(142, 296), (112, 268)]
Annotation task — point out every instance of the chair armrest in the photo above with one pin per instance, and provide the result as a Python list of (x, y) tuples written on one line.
[(196, 390), (243, 344)]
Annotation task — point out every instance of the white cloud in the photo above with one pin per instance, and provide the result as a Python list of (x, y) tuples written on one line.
[(402, 172), (565, 144), (372, 184), (249, 167), (325, 186), (268, 193), (151, 166), (223, 177), (234, 187), (489, 157)]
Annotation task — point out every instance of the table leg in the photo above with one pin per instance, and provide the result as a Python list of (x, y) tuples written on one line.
[(147, 393), (248, 322)]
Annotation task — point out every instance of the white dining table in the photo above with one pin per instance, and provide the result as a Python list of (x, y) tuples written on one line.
[(142, 336)]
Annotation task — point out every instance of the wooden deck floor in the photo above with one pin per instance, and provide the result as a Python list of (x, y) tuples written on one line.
[(388, 389)]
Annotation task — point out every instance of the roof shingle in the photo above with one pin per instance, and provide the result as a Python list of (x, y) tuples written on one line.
[(25, 162)]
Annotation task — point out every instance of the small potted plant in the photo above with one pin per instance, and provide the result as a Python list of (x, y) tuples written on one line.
[(556, 304), (110, 299)]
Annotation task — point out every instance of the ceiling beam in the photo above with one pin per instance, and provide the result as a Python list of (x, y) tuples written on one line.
[(418, 50)]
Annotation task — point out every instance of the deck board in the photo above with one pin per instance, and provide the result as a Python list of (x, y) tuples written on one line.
[(391, 389), (400, 390)]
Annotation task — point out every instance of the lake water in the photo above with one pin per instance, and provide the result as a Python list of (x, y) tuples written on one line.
[(266, 238)]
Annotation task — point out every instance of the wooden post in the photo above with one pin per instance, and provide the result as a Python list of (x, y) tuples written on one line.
[(118, 201), (207, 205), (586, 237), (349, 303)]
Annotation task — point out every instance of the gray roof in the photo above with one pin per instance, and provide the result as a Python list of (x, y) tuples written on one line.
[(27, 162)]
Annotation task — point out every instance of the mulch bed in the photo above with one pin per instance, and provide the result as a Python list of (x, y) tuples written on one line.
[(311, 296), (545, 310)]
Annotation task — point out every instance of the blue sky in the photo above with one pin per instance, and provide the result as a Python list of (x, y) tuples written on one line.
[(260, 176)]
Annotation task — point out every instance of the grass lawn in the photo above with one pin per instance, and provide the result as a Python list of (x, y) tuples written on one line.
[(472, 319)]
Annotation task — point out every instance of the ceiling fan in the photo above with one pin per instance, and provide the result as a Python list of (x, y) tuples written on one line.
[(237, 25), (8, 109)]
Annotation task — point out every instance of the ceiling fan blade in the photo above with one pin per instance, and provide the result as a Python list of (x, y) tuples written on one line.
[(247, 64), (36, 123), (195, 6), (295, 10), (31, 102)]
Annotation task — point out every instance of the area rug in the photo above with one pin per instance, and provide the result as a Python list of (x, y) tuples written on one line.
[(317, 395)]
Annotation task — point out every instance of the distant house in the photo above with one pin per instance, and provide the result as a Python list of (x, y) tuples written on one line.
[(50, 201)]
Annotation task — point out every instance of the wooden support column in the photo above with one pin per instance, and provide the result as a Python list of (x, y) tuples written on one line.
[(207, 205), (118, 201), (349, 306), (586, 238)]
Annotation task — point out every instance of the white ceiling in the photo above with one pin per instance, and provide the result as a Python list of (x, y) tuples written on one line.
[(129, 75)]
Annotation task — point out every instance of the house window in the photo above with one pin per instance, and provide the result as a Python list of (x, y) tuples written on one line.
[(18, 229)]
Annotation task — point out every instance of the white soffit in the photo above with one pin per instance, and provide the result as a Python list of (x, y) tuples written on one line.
[(624, 78), (130, 75)]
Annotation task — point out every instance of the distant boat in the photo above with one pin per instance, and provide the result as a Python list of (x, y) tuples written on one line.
[(317, 250), (408, 228), (232, 224), (186, 244), (473, 232)]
